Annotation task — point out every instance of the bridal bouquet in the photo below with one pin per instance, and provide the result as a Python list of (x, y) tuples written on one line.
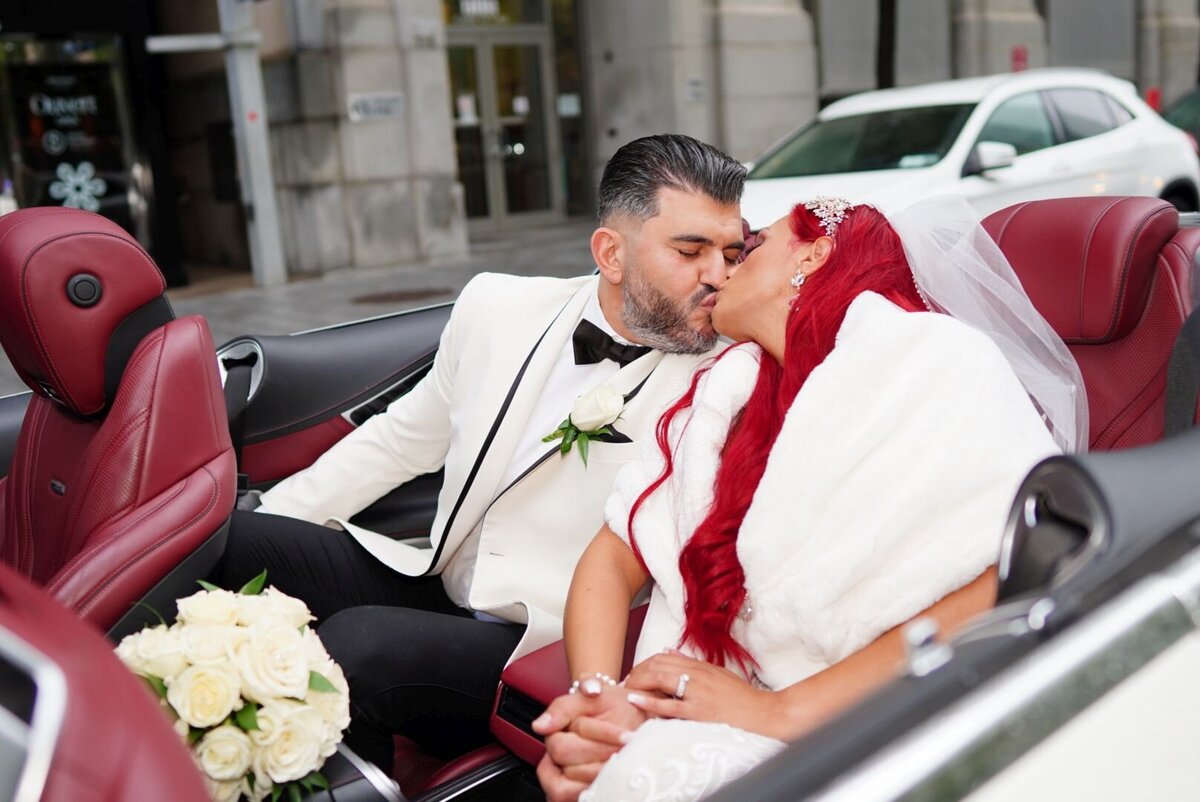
[(250, 687)]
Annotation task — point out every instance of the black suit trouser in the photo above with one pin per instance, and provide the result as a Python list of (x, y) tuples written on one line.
[(418, 665)]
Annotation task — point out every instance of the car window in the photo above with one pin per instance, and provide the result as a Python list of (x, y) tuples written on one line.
[(1083, 112), (1022, 122), (1120, 114), (882, 140)]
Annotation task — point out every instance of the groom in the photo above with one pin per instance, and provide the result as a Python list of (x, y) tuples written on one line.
[(514, 513)]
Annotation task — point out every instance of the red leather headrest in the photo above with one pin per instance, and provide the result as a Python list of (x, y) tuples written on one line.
[(1086, 263), (57, 345)]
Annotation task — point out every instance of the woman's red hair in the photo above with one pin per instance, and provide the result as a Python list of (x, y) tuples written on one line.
[(867, 256)]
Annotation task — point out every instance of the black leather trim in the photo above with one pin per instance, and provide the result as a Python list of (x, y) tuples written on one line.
[(12, 413), (311, 377), (125, 339)]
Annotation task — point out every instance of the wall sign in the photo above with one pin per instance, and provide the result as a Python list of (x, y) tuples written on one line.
[(367, 106)]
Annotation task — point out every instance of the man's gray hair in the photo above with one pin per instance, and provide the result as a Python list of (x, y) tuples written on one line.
[(639, 169)]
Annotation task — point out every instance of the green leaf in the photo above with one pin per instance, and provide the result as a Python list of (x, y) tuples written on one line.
[(602, 432), (156, 684), (293, 792), (157, 614), (318, 780), (247, 717), (194, 734), (276, 792), (583, 447), (318, 683), (206, 585), (568, 439), (254, 586)]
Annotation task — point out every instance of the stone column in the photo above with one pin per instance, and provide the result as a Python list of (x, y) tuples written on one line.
[(923, 38), (650, 71), (987, 31), (736, 73), (766, 60), (1168, 46), (365, 154)]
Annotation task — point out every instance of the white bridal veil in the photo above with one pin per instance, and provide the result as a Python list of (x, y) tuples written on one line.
[(960, 270)]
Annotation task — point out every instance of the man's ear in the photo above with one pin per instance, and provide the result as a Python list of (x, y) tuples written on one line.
[(608, 246)]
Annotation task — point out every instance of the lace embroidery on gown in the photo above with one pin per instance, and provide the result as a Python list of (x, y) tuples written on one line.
[(672, 760)]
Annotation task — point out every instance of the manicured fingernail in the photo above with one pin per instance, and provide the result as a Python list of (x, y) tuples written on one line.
[(542, 721), (625, 737), (592, 686), (636, 699)]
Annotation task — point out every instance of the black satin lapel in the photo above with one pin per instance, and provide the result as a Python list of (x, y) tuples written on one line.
[(487, 442)]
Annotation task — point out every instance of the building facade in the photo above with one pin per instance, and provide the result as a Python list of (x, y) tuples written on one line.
[(402, 129)]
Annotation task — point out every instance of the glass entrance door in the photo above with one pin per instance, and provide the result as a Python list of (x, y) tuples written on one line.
[(508, 153)]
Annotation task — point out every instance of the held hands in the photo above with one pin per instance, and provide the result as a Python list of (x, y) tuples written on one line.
[(583, 730), (708, 694)]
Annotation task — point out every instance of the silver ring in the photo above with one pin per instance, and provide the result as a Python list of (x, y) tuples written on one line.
[(681, 688)]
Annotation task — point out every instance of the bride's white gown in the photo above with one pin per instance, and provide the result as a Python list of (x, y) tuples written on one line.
[(887, 488)]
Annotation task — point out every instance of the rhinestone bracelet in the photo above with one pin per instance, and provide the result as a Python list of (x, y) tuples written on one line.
[(607, 680)]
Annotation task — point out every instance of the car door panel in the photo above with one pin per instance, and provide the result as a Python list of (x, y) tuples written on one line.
[(309, 390)]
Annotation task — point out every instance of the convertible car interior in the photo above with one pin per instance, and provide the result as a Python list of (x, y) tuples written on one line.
[(1100, 564), (121, 477)]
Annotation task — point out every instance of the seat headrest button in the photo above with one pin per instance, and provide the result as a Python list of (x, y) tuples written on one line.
[(84, 289)]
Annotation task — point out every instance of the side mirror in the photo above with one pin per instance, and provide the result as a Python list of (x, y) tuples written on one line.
[(987, 156)]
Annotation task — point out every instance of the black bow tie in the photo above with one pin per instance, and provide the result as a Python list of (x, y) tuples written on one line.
[(592, 345)]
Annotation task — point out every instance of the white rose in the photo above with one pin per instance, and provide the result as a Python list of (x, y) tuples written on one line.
[(270, 719), (334, 707), (227, 791), (273, 604), (293, 611), (210, 644), (157, 651), (209, 607), (596, 409), (272, 663), (204, 696), (314, 651), (224, 753), (294, 745)]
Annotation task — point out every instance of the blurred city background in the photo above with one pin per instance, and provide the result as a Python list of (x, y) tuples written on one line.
[(256, 142)]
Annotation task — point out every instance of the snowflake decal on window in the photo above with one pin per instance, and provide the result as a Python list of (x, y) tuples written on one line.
[(78, 187)]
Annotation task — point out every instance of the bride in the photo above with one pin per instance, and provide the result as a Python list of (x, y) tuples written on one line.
[(845, 468)]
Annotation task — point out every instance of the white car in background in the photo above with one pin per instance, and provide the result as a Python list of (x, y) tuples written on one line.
[(997, 140)]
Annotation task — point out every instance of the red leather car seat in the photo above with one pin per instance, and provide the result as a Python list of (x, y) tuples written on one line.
[(1114, 277), (123, 468), (93, 731)]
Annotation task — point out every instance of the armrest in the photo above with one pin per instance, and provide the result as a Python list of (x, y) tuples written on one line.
[(532, 682)]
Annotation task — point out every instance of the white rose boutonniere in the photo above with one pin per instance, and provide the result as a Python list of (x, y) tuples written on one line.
[(591, 418)]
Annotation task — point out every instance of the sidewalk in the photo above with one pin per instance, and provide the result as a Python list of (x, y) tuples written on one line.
[(557, 250)]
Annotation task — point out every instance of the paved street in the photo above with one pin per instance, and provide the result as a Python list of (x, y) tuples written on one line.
[(559, 250)]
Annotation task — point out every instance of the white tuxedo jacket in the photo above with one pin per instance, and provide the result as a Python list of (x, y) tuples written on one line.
[(496, 352)]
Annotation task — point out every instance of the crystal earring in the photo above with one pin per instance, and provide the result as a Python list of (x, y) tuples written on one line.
[(798, 280)]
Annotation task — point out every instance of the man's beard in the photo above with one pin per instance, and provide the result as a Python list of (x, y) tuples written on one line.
[(661, 323)]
